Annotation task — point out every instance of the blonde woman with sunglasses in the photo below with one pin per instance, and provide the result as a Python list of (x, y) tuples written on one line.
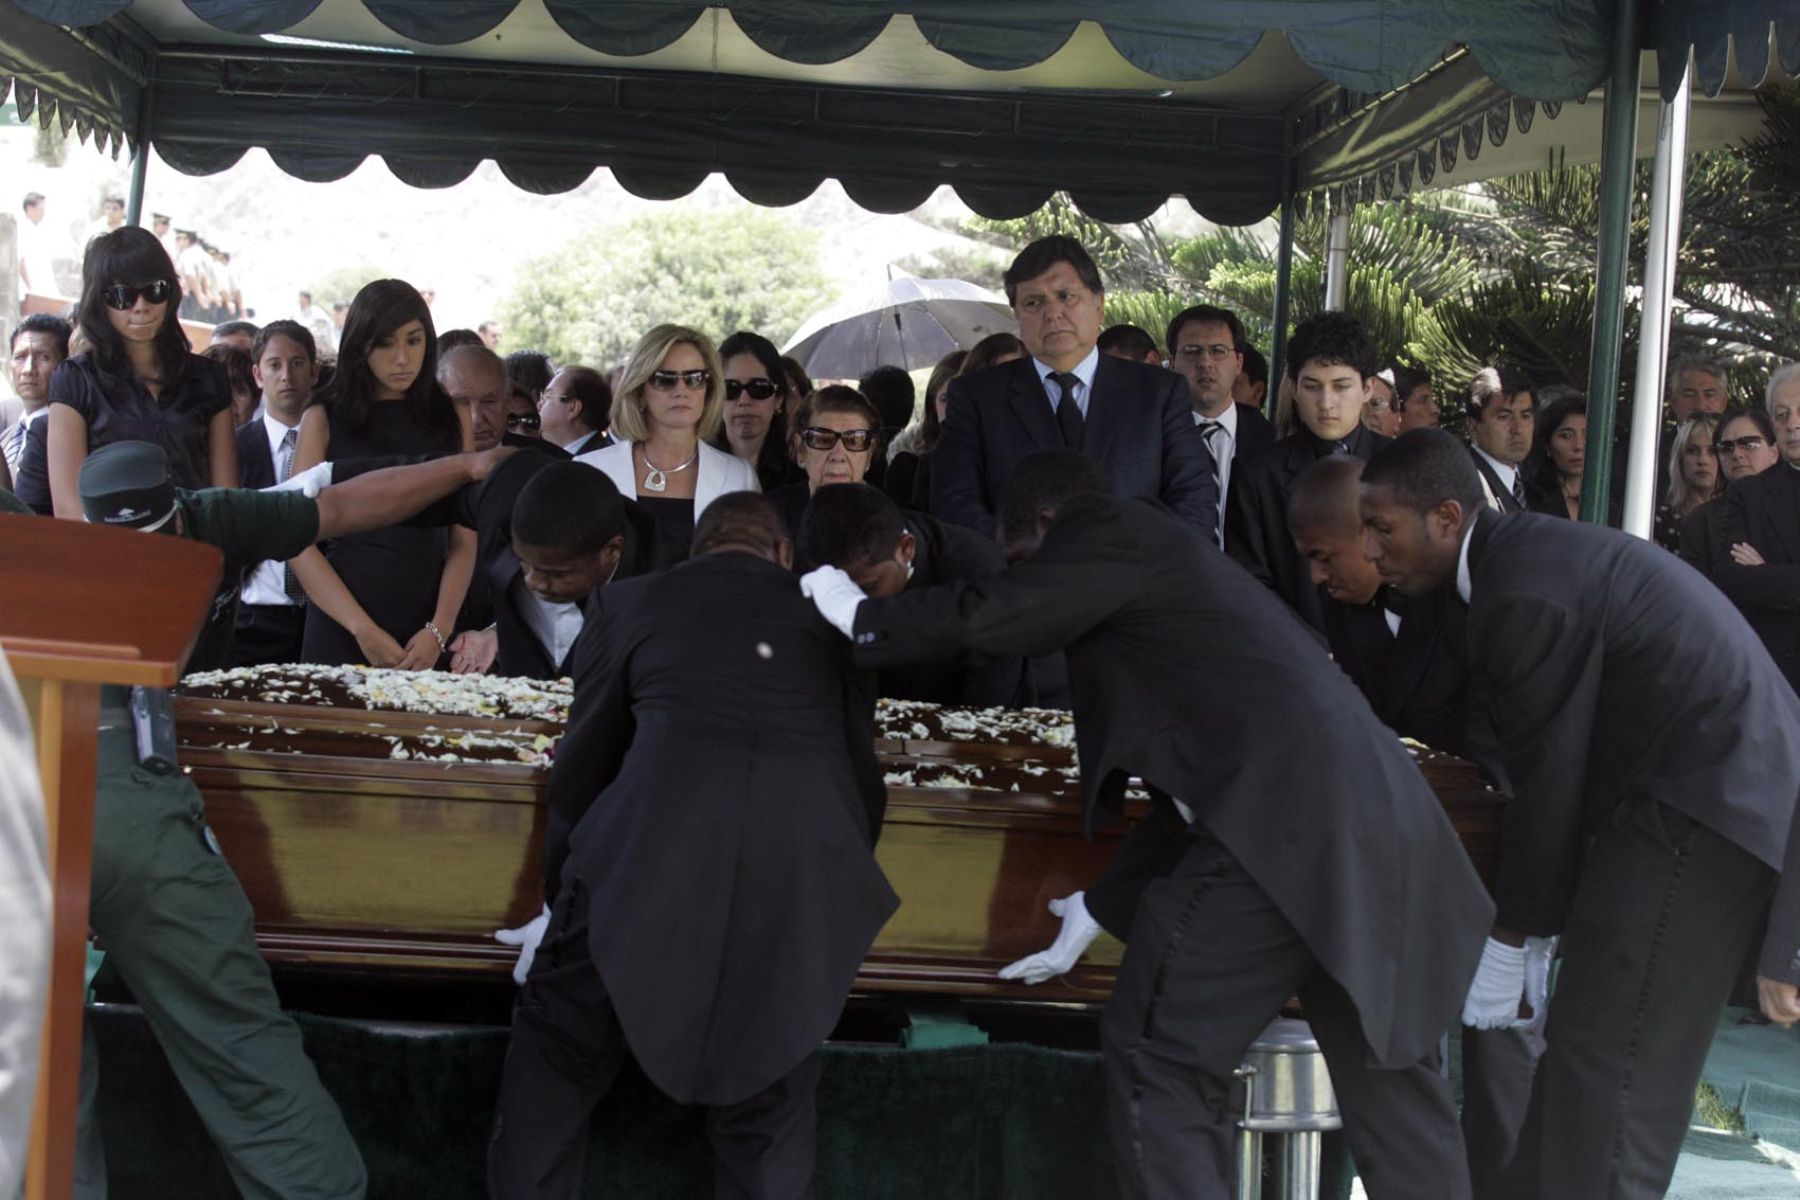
[(138, 380), (670, 400)]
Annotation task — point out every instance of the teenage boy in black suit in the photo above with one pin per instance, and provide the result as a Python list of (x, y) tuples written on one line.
[(1303, 855), (1330, 360), (272, 607), (1653, 752)]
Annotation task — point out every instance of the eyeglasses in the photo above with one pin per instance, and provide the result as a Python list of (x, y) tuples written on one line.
[(1747, 444), (759, 389), (1217, 353), (855, 440), (665, 381), (524, 421), (122, 296)]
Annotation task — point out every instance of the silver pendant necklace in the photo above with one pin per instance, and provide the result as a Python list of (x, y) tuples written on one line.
[(655, 478)]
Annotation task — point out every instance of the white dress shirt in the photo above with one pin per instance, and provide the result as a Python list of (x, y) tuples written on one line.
[(1084, 375), (1505, 472), (1464, 584), (1223, 447), (267, 583), (556, 626)]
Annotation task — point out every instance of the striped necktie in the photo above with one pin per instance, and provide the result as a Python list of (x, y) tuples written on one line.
[(284, 468)]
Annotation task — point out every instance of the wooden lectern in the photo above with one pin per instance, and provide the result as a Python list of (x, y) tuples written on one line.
[(82, 606)]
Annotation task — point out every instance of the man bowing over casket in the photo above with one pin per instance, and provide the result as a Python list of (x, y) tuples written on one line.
[(1302, 855), (708, 866)]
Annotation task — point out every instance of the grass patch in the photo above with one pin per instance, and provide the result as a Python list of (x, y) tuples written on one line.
[(1711, 1110)]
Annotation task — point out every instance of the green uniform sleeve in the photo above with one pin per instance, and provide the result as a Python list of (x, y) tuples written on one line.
[(249, 526)]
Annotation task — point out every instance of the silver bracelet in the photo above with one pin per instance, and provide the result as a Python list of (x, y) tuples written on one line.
[(431, 628)]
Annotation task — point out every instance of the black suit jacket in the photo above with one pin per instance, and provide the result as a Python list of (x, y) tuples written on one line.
[(1617, 675), (946, 553), (1324, 808), (1140, 429), (595, 440), (1534, 500), (256, 466), (1254, 431), (1705, 544), (1764, 510), (1256, 524), (714, 803), (1416, 681)]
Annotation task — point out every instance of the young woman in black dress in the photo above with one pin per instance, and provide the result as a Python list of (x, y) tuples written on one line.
[(387, 598), (138, 380)]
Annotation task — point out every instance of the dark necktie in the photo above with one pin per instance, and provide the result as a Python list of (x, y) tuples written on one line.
[(1068, 413), (1207, 430), (285, 469), (1518, 490)]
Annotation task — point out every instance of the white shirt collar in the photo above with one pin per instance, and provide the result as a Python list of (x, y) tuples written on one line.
[(1084, 370), (1463, 582), (1505, 472), (1226, 420), (275, 431)]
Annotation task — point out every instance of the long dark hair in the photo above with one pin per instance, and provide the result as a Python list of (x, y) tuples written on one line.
[(947, 369), (131, 256), (380, 309), (772, 462), (1538, 469)]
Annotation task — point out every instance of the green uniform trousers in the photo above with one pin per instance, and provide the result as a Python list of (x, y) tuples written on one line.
[(174, 921)]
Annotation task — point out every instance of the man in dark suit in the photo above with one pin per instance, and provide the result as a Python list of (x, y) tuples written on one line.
[(1764, 510), (574, 410), (1654, 756), (1350, 889), (856, 527), (1134, 420), (1502, 415), (272, 606), (1206, 348), (708, 866), (1330, 361)]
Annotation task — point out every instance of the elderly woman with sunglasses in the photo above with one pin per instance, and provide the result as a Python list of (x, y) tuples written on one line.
[(139, 380), (670, 399), (836, 436)]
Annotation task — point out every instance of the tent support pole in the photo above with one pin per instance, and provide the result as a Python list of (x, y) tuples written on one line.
[(1659, 291), (140, 161), (1337, 262), (1618, 158), (1284, 286)]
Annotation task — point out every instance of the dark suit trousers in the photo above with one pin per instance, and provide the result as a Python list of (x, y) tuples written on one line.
[(566, 1050), (1209, 964), (268, 633), (1497, 1068), (1661, 920)]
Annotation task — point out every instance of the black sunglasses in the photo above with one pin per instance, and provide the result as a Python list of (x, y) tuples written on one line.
[(855, 440), (524, 421), (664, 381), (1746, 444), (123, 295), (759, 389)]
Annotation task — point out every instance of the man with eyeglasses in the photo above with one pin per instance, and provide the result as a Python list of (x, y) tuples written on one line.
[(1206, 348), (1763, 513), (574, 410), (1132, 419)]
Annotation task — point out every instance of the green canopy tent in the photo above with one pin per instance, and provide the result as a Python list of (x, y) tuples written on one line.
[(1240, 107)]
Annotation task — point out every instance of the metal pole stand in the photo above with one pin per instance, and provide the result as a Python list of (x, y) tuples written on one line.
[(1287, 1093)]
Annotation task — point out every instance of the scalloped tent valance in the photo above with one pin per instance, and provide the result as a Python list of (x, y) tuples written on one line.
[(1542, 49), (1715, 30)]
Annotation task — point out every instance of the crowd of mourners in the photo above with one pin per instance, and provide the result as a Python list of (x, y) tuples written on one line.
[(986, 546)]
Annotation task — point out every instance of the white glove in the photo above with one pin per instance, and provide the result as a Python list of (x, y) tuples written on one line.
[(1078, 933), (835, 595), (1539, 953), (309, 482), (527, 938), (1493, 1000)]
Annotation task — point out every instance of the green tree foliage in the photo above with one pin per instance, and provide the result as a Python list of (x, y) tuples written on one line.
[(593, 297), (342, 283)]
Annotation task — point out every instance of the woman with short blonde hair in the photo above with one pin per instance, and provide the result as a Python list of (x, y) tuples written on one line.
[(670, 399)]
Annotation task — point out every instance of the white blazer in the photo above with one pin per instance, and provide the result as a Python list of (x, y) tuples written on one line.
[(719, 472)]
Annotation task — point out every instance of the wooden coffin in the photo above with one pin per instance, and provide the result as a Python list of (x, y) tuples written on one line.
[(353, 861)]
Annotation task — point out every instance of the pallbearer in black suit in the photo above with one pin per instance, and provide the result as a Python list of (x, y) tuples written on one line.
[(1305, 854), (1330, 361), (709, 867), (1134, 420), (1206, 348), (272, 607), (1653, 751), (886, 551)]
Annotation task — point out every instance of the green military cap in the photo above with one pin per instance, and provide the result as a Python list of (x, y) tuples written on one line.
[(126, 484)]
